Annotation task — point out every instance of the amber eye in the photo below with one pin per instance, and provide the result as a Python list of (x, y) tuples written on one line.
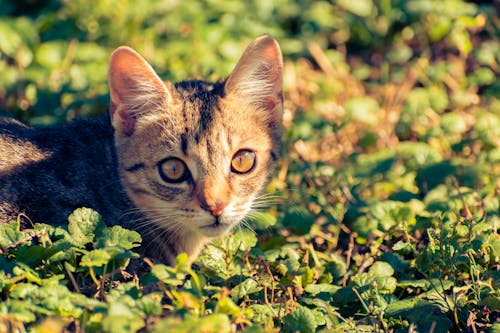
[(173, 170), (243, 161)]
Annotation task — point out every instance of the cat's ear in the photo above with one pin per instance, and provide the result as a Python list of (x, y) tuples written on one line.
[(257, 77), (135, 88)]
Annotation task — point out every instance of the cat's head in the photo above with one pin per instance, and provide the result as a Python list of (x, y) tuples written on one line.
[(194, 156)]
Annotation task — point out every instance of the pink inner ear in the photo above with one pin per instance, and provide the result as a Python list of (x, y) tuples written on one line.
[(272, 54), (130, 76), (270, 103), (257, 75)]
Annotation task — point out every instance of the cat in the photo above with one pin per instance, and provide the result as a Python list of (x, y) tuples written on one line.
[(180, 163)]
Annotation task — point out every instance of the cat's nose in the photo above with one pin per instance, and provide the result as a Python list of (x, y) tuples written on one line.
[(216, 209)]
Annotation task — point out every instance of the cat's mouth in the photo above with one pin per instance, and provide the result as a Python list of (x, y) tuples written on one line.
[(216, 228), (216, 224)]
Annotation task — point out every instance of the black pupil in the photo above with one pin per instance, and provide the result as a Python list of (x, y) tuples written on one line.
[(173, 171)]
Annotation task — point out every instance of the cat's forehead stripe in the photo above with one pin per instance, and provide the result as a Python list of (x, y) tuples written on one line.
[(184, 142), (200, 106)]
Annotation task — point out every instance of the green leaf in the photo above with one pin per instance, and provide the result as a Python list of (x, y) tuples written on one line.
[(360, 7), (51, 54), (167, 275), (84, 224), (421, 312), (249, 286), (215, 323), (10, 40), (16, 310), (22, 290), (495, 328), (34, 254), (241, 240), (118, 237), (382, 269), (315, 289), (300, 320), (95, 258), (122, 323), (298, 219), (386, 285), (149, 305), (492, 302), (59, 300), (453, 123), (262, 220), (263, 313), (227, 306), (362, 109), (10, 234)]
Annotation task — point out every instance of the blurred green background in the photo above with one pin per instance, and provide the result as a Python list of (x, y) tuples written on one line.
[(391, 151), (54, 53)]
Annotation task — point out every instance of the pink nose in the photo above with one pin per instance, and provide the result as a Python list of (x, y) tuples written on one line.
[(216, 210)]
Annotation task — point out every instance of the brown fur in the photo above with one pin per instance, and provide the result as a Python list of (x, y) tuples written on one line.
[(45, 173)]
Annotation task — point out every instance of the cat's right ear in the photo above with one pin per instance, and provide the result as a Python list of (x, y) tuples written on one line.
[(134, 88), (257, 77)]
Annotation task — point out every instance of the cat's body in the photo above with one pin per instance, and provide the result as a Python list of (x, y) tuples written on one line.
[(46, 173), (179, 163)]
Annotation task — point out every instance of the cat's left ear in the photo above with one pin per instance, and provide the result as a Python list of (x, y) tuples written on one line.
[(135, 88), (257, 78)]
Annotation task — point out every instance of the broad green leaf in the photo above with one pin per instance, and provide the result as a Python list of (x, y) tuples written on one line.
[(386, 284), (262, 220), (34, 254), (315, 289), (122, 323), (95, 258), (84, 224), (263, 313), (301, 320), (214, 323), (186, 300), (17, 310), (453, 123), (495, 328), (249, 286), (241, 240), (51, 54), (381, 269), (362, 109), (10, 234), (492, 302), (362, 7), (10, 40), (227, 306), (59, 300), (119, 237), (149, 305), (298, 219), (421, 312), (167, 275), (22, 290)]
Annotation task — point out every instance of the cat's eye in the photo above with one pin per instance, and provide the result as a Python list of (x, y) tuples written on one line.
[(243, 161), (173, 170)]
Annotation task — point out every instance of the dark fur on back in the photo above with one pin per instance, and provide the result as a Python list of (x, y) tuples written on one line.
[(46, 173)]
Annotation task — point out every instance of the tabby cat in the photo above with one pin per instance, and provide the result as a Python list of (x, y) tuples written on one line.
[(180, 163)]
